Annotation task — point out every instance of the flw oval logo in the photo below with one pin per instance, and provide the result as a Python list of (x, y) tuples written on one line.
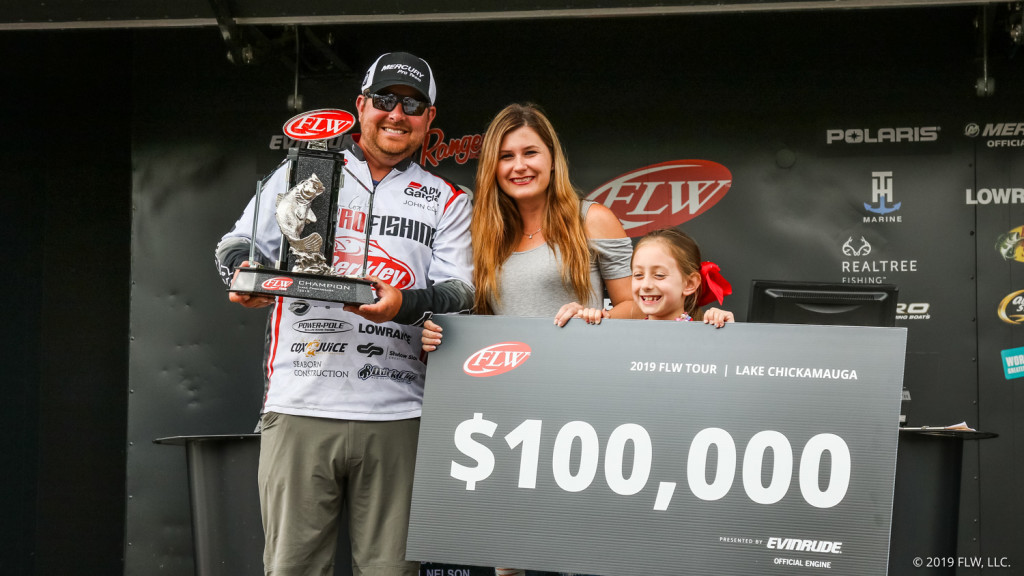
[(319, 124), (496, 359), (664, 195), (276, 283)]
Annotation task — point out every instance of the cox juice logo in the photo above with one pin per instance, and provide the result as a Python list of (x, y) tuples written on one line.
[(496, 359), (664, 195)]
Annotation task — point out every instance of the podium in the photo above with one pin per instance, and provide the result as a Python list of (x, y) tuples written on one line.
[(227, 530), (926, 503)]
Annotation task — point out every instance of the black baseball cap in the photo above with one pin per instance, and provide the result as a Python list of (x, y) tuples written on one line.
[(401, 68)]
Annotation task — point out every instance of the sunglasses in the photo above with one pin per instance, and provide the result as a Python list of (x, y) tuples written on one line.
[(410, 106)]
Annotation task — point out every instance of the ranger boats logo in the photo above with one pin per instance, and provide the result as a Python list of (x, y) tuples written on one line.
[(496, 359), (348, 259), (664, 195)]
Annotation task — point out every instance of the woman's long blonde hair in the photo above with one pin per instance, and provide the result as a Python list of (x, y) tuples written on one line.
[(497, 224)]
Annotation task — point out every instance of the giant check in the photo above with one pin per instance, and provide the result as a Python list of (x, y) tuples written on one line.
[(641, 448)]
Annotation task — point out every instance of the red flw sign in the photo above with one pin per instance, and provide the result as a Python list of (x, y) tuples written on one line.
[(319, 124)]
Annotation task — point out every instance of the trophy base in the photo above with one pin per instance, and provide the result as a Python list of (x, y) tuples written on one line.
[(270, 282)]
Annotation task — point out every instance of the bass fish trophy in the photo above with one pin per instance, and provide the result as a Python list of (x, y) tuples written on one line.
[(307, 215)]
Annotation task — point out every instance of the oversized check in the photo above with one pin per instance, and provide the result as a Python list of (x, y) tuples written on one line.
[(641, 448)]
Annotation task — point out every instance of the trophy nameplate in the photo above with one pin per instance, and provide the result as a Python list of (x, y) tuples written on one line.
[(306, 214)]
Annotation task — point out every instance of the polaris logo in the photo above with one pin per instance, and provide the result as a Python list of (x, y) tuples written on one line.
[(496, 359), (882, 135), (664, 195)]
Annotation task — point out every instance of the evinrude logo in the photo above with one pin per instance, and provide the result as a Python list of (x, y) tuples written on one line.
[(664, 195)]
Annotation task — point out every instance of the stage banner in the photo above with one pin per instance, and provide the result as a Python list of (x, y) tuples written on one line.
[(640, 448)]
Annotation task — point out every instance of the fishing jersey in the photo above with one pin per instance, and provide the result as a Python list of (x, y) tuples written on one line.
[(322, 361)]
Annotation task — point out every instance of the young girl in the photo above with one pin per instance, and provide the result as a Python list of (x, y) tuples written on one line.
[(670, 282)]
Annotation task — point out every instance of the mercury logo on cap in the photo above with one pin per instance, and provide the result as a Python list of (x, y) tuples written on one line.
[(400, 68)]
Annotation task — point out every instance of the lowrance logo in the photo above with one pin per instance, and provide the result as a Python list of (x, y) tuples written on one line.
[(276, 283), (798, 545), (882, 135), (319, 124), (664, 195), (496, 359)]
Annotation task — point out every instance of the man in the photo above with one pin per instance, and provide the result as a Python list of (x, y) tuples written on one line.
[(344, 387)]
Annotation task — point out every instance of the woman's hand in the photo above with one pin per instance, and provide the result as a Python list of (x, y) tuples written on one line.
[(718, 317), (431, 337), (593, 315), (566, 313)]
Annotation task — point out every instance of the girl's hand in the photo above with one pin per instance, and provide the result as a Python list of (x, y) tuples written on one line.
[(566, 313), (431, 337), (593, 315), (718, 317)]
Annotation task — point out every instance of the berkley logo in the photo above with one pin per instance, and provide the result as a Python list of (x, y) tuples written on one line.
[(348, 259), (319, 124), (278, 283), (496, 359), (665, 194)]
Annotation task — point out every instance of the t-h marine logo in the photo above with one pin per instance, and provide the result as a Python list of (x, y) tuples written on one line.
[(496, 359), (881, 194)]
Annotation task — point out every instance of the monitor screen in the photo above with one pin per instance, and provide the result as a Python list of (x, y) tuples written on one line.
[(828, 303)]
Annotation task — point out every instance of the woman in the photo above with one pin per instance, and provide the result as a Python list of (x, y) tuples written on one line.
[(538, 250)]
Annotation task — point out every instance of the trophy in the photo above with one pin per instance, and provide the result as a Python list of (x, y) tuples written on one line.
[(307, 215)]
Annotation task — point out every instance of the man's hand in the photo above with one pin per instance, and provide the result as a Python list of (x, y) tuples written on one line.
[(246, 299), (385, 308)]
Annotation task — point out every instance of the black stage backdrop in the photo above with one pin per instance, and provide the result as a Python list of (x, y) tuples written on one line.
[(813, 115)]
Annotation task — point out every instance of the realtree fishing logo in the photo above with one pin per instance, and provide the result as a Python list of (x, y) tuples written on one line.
[(496, 359), (319, 124), (664, 195)]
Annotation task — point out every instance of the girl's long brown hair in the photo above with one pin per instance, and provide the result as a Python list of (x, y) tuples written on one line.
[(497, 224)]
